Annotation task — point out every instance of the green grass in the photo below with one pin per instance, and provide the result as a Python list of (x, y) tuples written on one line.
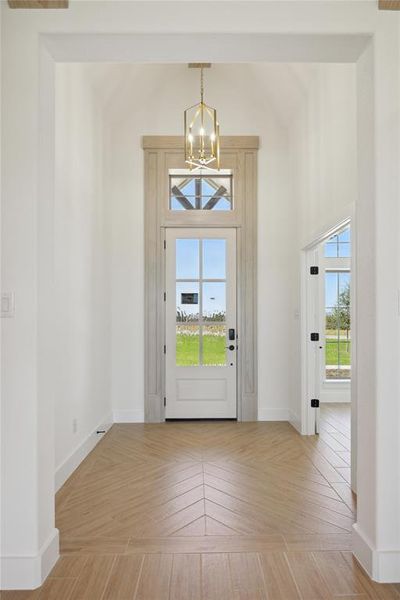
[(214, 350), (337, 353), (187, 350)]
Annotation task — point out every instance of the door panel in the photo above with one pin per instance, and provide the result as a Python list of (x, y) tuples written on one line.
[(200, 311)]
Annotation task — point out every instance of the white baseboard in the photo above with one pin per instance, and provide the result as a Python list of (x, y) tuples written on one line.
[(273, 414), (29, 572), (128, 416), (382, 566), (362, 549), (73, 461), (295, 421)]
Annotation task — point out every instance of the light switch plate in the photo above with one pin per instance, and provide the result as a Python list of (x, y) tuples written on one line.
[(7, 304)]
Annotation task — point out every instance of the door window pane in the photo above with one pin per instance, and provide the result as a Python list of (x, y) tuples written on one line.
[(214, 259), (214, 342), (201, 302), (187, 301), (187, 345), (214, 301), (187, 259)]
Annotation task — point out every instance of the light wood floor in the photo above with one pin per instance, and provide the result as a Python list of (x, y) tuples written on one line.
[(204, 511), (335, 428)]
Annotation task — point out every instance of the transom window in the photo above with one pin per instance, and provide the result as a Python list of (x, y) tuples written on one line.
[(200, 191), (338, 246)]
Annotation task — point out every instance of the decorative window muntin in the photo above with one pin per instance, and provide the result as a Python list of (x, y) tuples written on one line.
[(203, 190)]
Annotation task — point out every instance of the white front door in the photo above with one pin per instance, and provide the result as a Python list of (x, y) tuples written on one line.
[(201, 336)]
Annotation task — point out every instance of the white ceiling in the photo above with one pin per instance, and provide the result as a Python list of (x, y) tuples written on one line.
[(281, 86)]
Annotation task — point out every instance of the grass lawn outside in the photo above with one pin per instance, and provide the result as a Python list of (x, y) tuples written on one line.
[(188, 346), (214, 352), (337, 353)]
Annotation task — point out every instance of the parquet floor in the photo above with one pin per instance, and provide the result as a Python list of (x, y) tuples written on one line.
[(335, 431), (207, 511)]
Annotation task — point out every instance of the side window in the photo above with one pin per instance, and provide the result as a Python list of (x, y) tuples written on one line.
[(337, 253)]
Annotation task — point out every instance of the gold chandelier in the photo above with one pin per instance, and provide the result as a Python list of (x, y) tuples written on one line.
[(201, 130)]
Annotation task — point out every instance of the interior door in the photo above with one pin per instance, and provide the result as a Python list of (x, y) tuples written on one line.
[(201, 336)]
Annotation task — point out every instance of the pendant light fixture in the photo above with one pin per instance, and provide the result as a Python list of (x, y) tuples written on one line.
[(201, 130)]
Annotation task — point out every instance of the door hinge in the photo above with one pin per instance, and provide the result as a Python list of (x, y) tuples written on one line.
[(314, 337), (165, 296), (165, 349), (165, 401), (314, 270), (314, 403), (165, 244)]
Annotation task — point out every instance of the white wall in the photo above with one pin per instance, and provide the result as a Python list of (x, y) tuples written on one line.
[(29, 539), (323, 144), (323, 140), (81, 271), (151, 101)]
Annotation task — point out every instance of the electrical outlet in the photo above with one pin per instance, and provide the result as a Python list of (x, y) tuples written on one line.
[(74, 425)]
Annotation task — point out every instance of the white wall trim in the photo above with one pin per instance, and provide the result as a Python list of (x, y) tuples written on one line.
[(128, 416), (295, 421), (29, 572), (73, 461), (340, 220), (382, 566), (362, 549), (274, 414)]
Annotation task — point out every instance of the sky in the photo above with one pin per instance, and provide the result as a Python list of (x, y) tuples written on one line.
[(188, 252)]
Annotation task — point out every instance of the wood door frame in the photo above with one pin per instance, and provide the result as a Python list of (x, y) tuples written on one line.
[(238, 153)]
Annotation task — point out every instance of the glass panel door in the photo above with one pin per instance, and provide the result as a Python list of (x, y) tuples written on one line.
[(201, 306)]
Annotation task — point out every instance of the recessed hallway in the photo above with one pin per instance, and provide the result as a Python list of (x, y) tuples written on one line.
[(203, 511)]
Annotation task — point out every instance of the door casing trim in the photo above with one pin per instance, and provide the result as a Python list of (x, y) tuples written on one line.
[(238, 153)]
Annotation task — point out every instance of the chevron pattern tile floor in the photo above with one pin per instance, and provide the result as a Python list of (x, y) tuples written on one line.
[(208, 511)]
